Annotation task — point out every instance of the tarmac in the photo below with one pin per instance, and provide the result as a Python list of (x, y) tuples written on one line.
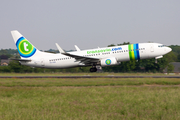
[(90, 76)]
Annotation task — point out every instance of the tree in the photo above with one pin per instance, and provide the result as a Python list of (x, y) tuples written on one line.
[(111, 45), (124, 43), (170, 68), (15, 66)]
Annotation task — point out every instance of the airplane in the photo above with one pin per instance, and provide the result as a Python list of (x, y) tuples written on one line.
[(100, 57)]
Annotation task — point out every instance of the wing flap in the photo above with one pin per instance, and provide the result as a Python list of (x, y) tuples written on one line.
[(82, 58)]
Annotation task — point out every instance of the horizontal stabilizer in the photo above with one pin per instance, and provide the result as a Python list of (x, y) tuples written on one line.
[(60, 49), (25, 60)]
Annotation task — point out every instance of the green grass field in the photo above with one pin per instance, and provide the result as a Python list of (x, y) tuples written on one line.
[(93, 99)]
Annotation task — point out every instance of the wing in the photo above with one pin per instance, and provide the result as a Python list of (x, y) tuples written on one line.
[(82, 59)]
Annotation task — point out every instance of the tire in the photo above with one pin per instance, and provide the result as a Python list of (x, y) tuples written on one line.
[(93, 69)]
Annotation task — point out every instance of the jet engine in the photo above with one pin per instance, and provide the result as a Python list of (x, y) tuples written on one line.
[(109, 62)]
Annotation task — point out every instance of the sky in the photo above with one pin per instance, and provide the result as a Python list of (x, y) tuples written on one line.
[(89, 23)]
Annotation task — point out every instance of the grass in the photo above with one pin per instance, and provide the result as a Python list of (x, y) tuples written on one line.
[(93, 99), (80, 82), (85, 74)]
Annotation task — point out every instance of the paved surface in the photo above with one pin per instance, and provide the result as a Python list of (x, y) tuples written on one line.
[(89, 76)]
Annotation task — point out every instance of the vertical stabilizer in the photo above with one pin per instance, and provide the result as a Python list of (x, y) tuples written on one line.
[(25, 48)]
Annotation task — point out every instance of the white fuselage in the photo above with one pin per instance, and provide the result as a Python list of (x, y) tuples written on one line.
[(120, 53)]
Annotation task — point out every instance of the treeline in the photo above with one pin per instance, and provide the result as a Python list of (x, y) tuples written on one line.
[(147, 65)]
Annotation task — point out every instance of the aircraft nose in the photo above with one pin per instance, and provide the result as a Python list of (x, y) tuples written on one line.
[(168, 49)]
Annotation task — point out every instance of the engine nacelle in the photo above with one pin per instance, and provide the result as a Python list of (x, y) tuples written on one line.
[(109, 62)]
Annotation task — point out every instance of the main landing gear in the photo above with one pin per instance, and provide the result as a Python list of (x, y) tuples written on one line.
[(93, 69)]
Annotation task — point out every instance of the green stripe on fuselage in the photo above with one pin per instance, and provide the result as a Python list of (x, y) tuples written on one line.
[(131, 52), (130, 56)]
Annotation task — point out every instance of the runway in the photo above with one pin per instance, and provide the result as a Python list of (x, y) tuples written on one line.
[(89, 77)]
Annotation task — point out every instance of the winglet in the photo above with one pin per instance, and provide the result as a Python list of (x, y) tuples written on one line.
[(60, 49), (77, 48)]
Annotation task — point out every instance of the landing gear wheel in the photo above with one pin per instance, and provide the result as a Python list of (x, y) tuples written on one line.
[(93, 69)]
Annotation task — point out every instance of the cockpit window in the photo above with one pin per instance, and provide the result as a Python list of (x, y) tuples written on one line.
[(161, 45)]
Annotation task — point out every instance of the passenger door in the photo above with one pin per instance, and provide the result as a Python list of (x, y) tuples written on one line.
[(42, 62)]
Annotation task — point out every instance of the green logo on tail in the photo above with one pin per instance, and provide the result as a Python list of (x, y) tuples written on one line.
[(25, 48)]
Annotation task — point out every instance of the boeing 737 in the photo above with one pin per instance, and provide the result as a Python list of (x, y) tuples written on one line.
[(107, 56)]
